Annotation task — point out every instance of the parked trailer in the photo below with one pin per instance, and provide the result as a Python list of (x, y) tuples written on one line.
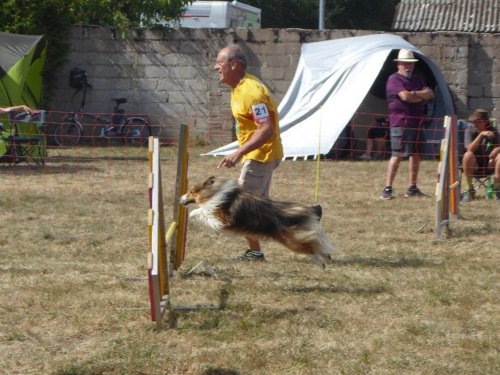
[(220, 14)]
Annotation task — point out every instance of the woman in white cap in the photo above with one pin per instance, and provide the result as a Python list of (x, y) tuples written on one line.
[(406, 94)]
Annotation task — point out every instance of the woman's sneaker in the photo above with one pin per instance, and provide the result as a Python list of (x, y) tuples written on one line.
[(414, 191), (387, 193)]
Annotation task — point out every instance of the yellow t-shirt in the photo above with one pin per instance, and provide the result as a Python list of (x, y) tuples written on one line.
[(251, 103)]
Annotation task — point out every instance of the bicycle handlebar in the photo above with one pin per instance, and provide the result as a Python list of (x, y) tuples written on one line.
[(119, 100)]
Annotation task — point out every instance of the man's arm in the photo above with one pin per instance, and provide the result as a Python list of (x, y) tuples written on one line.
[(25, 108), (472, 146), (416, 96)]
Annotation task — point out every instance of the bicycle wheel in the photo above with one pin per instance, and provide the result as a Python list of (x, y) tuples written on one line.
[(67, 133), (135, 132)]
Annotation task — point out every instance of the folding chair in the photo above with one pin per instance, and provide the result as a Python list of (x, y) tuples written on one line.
[(479, 182), (23, 140)]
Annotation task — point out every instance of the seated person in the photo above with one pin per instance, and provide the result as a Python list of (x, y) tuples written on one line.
[(377, 132), (482, 152)]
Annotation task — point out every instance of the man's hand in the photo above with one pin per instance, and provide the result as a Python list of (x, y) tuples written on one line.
[(494, 153), (487, 134), (25, 108), (230, 161)]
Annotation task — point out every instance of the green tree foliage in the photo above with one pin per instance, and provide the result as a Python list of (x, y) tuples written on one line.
[(360, 14), (54, 19), (48, 17), (287, 13), (123, 14), (339, 14)]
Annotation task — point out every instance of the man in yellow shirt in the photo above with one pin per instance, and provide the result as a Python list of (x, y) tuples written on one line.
[(257, 128)]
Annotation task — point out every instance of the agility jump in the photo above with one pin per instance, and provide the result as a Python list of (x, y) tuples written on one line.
[(448, 183), (161, 269)]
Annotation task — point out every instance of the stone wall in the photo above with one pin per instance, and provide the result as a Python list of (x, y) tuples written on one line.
[(172, 73)]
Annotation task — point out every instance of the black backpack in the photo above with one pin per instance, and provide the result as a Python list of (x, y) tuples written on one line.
[(77, 78)]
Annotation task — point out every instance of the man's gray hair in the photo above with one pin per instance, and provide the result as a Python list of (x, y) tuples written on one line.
[(235, 52)]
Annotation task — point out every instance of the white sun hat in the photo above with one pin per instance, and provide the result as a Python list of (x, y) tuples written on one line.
[(405, 55)]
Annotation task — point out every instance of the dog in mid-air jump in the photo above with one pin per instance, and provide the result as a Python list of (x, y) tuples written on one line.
[(224, 204)]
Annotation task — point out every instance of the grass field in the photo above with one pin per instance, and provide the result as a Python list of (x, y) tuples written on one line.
[(394, 300)]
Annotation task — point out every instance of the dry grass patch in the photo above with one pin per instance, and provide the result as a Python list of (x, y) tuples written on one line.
[(394, 300)]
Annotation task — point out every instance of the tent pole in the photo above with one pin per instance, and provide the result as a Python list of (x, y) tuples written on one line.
[(321, 14)]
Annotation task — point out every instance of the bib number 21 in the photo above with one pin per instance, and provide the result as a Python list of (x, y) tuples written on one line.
[(260, 112)]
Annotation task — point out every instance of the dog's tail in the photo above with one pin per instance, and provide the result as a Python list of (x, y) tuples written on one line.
[(308, 238), (318, 211)]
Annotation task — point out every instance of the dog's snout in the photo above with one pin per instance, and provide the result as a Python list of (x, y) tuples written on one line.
[(186, 199), (182, 200)]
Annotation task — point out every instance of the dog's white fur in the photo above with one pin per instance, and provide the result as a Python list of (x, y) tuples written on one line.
[(225, 205), (206, 211)]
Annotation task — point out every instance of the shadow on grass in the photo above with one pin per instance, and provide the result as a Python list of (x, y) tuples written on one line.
[(219, 371), (92, 158), (174, 313), (339, 290), (374, 262), (82, 370), (480, 228), (46, 170)]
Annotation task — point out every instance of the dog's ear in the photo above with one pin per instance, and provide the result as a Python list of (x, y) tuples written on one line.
[(209, 181)]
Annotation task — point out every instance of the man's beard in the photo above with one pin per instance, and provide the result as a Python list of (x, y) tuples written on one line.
[(407, 74)]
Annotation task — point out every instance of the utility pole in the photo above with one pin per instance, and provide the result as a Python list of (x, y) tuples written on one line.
[(321, 14)]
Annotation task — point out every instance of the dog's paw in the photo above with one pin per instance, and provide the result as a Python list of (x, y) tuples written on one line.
[(319, 261)]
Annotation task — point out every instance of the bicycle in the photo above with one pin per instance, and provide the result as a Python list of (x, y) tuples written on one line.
[(131, 130)]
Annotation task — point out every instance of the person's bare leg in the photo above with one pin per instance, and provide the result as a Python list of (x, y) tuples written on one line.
[(413, 168), (369, 146), (496, 181), (497, 170), (392, 169), (253, 244), (469, 165)]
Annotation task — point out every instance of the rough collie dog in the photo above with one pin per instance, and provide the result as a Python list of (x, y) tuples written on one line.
[(225, 205)]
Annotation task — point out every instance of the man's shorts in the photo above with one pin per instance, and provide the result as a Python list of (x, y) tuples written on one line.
[(256, 176), (406, 141)]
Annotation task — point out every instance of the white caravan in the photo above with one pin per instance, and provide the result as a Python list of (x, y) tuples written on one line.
[(220, 14)]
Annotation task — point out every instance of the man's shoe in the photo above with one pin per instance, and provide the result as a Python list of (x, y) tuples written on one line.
[(497, 195), (414, 191), (249, 256), (387, 193), (468, 196)]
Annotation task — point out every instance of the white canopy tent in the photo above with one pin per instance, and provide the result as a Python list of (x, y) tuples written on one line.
[(331, 81)]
